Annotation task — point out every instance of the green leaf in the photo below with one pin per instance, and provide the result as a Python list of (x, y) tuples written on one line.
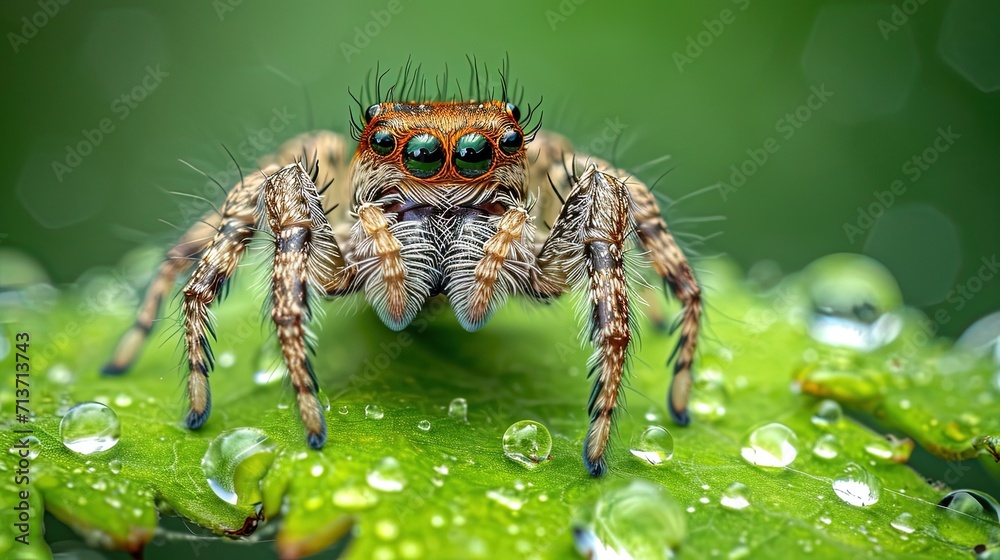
[(455, 493)]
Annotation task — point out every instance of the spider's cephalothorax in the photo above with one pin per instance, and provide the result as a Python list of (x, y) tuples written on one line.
[(452, 198)]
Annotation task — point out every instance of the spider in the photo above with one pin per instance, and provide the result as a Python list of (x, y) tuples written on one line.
[(463, 199)]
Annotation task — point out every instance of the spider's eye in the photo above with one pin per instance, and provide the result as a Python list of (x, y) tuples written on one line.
[(382, 142), (511, 141), (423, 155), (473, 154), (514, 111), (372, 112)]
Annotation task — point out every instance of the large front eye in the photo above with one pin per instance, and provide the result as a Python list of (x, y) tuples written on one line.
[(511, 141), (382, 142), (473, 154), (423, 156)]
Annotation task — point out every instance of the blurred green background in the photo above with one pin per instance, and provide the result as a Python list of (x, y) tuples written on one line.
[(709, 83)]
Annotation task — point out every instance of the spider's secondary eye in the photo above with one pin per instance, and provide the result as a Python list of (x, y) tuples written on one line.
[(511, 141), (514, 111), (372, 112), (473, 154), (382, 142), (423, 156)]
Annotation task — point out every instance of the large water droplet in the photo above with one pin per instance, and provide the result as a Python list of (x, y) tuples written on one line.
[(826, 447), (983, 337), (639, 520), (856, 486), (971, 517), (735, 497), (527, 442), (374, 412), (458, 409), (903, 522), (235, 462), (973, 503), (854, 299), (828, 414), (90, 427), (772, 445), (387, 475), (653, 445)]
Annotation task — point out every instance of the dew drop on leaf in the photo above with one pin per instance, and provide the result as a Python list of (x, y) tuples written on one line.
[(903, 522), (387, 475), (374, 412), (424, 425), (828, 414), (234, 463), (458, 409), (735, 497), (827, 447), (27, 447), (853, 299), (653, 445), (708, 396), (90, 427), (773, 445), (115, 466), (355, 496), (527, 442), (637, 520), (857, 487)]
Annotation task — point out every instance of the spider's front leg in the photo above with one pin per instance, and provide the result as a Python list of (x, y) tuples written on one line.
[(587, 243)]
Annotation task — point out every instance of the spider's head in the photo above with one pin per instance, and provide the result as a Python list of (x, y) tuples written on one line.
[(420, 151)]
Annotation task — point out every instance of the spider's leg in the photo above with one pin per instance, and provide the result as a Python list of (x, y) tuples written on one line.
[(587, 243), (306, 254), (669, 262), (215, 268), (179, 259)]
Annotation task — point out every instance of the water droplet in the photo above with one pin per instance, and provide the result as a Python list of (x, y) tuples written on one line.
[(387, 475), (374, 412), (355, 496), (854, 299), (527, 442), (708, 395), (891, 449), (459, 409), (856, 486), (324, 401), (424, 425), (903, 522), (983, 337), (735, 497), (826, 447), (226, 359), (442, 470), (316, 470), (772, 445), (739, 552), (235, 462), (60, 374), (115, 466), (969, 516), (828, 414), (653, 445), (343, 410), (90, 427), (973, 503), (28, 445), (637, 520)]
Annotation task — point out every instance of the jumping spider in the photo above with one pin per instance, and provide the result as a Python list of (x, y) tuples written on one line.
[(442, 197)]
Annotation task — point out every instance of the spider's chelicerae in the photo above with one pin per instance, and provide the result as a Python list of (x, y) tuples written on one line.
[(445, 197)]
